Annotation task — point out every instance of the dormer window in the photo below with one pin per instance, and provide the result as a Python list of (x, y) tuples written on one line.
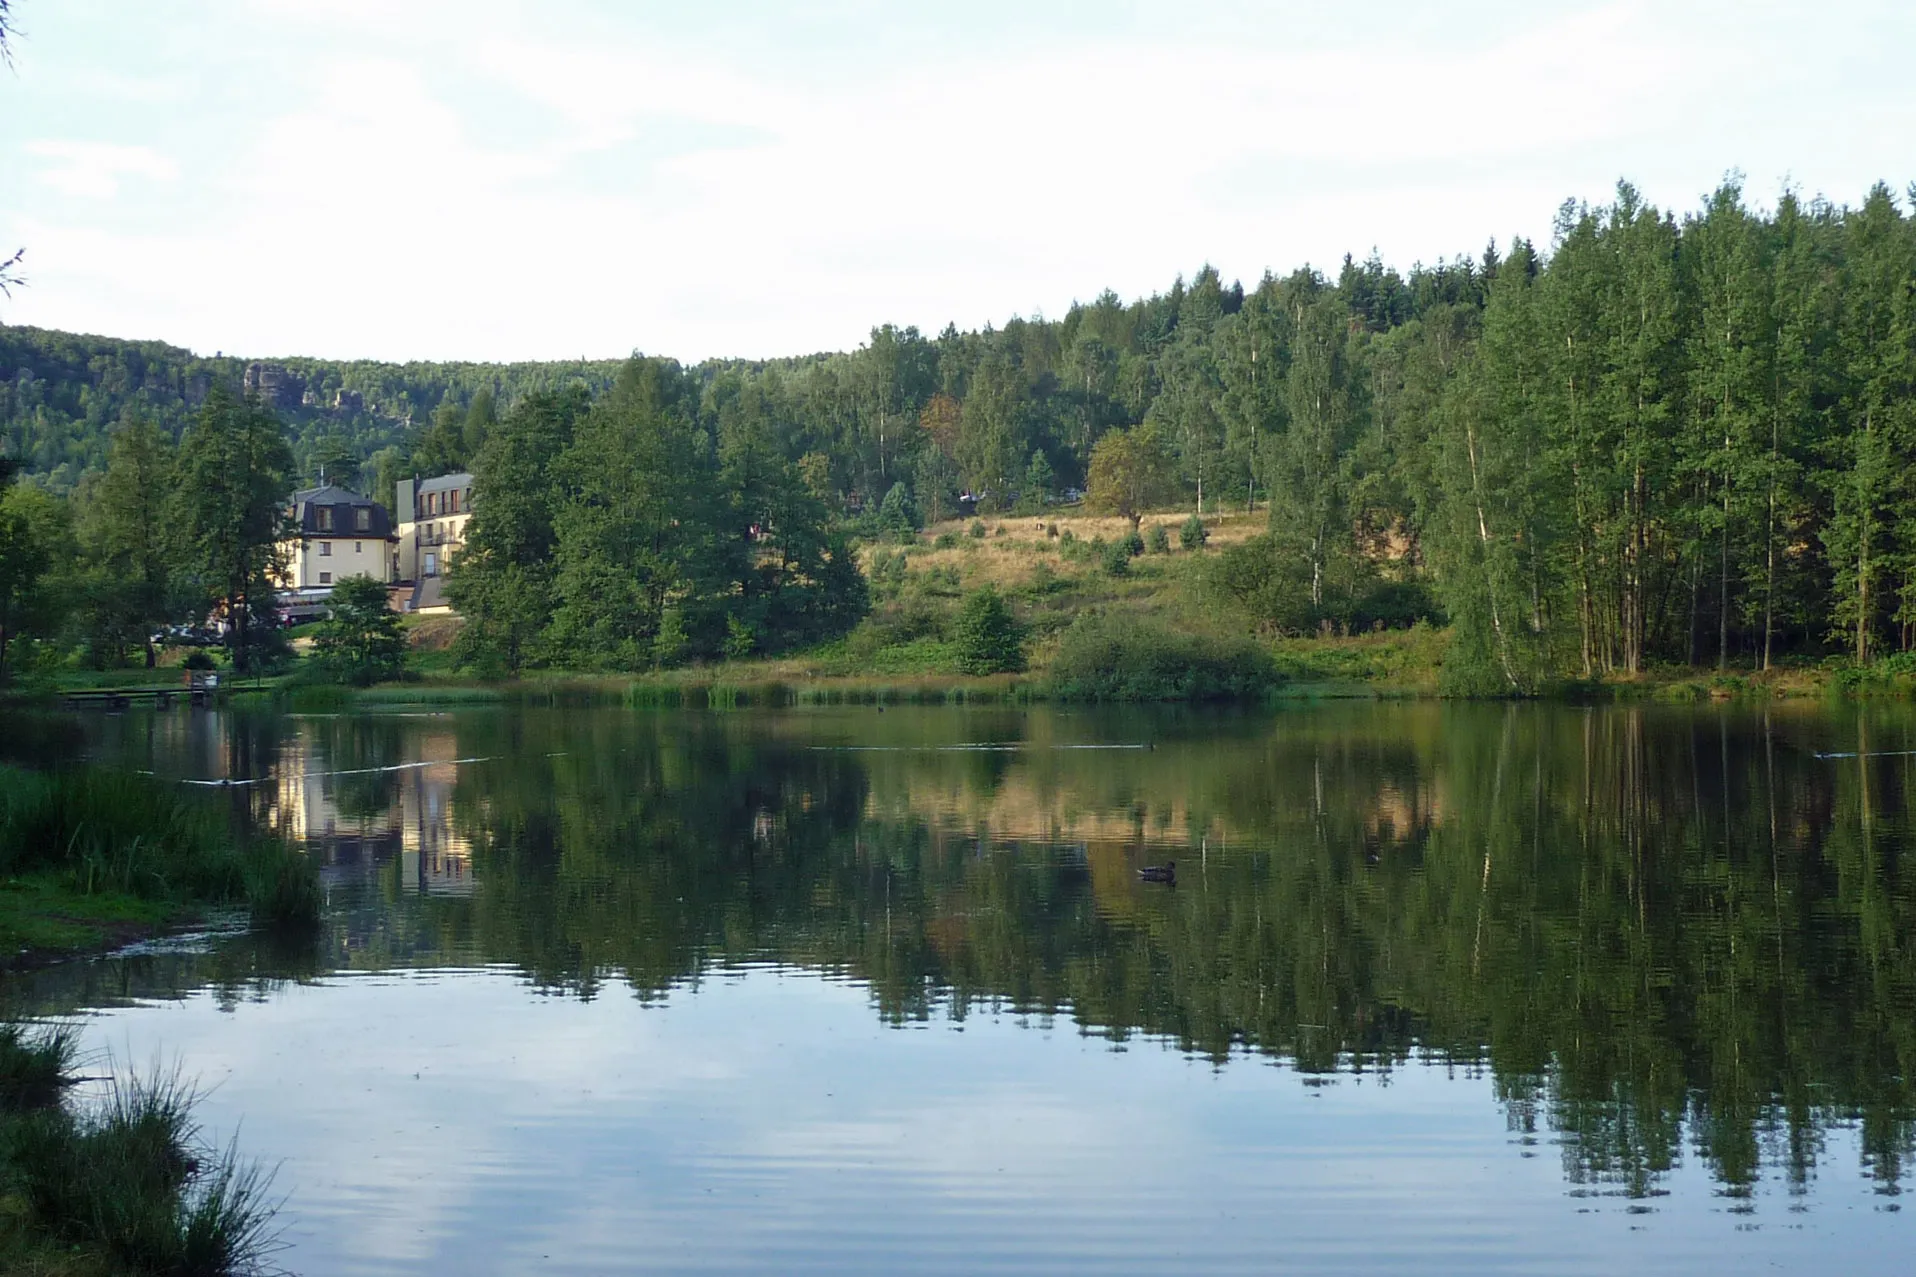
[(363, 519), (325, 517)]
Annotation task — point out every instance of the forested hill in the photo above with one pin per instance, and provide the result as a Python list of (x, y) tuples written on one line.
[(62, 393), (1685, 437)]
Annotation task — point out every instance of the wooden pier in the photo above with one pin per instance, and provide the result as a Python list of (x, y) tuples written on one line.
[(199, 690)]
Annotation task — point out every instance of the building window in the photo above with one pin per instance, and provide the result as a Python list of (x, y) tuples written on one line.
[(325, 578), (325, 549), (363, 519), (357, 547), (325, 517), (432, 564)]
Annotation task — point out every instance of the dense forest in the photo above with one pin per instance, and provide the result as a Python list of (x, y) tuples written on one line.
[(1660, 438)]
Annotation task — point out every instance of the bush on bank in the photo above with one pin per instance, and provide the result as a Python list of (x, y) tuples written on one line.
[(1104, 658)]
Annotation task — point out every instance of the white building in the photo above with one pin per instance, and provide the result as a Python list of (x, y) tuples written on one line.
[(337, 534), (433, 514)]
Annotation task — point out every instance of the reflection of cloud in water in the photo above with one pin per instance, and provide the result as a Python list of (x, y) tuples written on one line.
[(452, 1123)]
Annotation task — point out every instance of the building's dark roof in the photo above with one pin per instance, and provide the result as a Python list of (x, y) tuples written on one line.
[(445, 482), (328, 494), (308, 501)]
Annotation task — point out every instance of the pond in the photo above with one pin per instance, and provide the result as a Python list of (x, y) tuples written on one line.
[(1451, 988)]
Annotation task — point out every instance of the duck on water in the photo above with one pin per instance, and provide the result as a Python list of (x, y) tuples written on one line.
[(1166, 873)]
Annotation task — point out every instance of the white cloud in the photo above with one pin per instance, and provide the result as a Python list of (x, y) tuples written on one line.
[(428, 185), (92, 170)]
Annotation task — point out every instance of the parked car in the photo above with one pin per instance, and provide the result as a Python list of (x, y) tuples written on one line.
[(186, 636)]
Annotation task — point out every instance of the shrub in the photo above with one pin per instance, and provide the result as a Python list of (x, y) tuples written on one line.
[(896, 512), (361, 642), (1192, 534), (1133, 543), (1116, 558), (741, 640), (1051, 532), (977, 529), (945, 541), (671, 642), (1106, 658), (1272, 581), (199, 659), (941, 582), (1159, 542), (988, 638), (889, 570)]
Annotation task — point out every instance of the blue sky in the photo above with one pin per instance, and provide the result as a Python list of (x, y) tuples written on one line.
[(486, 180)]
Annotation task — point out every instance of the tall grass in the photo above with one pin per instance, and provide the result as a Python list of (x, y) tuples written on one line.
[(128, 1180), (35, 1062), (98, 831), (654, 693), (429, 694), (319, 698)]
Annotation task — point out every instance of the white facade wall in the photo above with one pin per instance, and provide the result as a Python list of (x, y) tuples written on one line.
[(426, 545), (318, 562)]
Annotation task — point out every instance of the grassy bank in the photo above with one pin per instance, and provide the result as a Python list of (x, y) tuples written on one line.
[(119, 1186), (91, 857)]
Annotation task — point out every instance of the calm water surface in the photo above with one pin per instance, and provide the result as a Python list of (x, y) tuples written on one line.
[(1450, 989)]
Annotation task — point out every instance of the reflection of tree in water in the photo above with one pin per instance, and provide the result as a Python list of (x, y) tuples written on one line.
[(1661, 932), (1652, 927)]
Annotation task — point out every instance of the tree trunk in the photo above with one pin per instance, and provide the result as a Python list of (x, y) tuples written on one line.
[(1862, 561), (1723, 603), (1769, 542), (1490, 580)]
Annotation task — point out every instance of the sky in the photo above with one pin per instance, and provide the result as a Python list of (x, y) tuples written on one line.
[(478, 179)]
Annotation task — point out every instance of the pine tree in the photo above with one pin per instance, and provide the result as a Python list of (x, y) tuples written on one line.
[(1729, 348), (1874, 362)]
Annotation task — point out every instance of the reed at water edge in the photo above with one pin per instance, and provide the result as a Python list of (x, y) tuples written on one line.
[(95, 832), (121, 1184)]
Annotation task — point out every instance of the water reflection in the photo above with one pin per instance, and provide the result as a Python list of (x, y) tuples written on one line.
[(1660, 931)]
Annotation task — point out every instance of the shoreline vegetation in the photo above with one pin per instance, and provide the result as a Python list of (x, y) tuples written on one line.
[(1153, 631), (92, 858), (1066, 597), (119, 1184)]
